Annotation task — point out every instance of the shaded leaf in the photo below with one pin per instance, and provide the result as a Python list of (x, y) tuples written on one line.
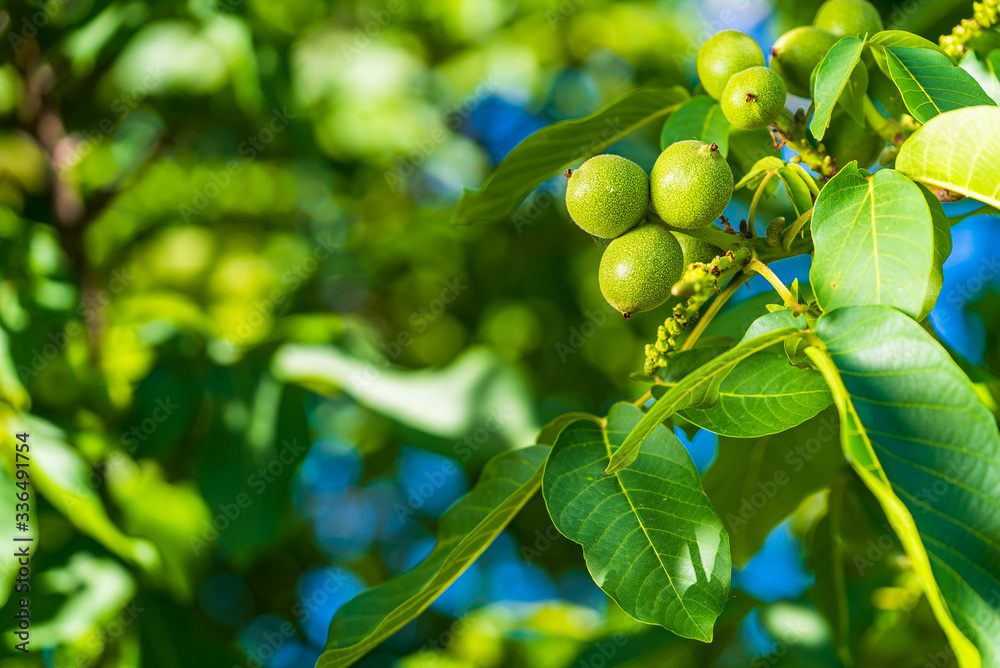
[(699, 118), (930, 83), (914, 429), (958, 151), (754, 484), (558, 146), (506, 484), (873, 237), (651, 539), (831, 79)]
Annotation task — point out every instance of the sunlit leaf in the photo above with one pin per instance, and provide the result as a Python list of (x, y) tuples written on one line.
[(930, 83), (959, 152), (874, 241), (651, 539), (832, 79)]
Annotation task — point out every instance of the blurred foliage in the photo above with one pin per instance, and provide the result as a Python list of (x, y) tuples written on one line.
[(244, 339)]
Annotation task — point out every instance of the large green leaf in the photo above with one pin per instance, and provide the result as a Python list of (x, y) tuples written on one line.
[(874, 238), (698, 388), (756, 483), (764, 394), (916, 432), (651, 539), (984, 70), (942, 249), (558, 146), (506, 484), (832, 78), (958, 151), (930, 83), (699, 118)]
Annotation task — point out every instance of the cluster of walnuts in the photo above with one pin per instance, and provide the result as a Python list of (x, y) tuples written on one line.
[(691, 183)]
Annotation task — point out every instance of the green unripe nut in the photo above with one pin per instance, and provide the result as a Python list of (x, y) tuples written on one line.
[(723, 55), (691, 184), (696, 250), (607, 195), (797, 53), (754, 98), (639, 268), (846, 140), (848, 17)]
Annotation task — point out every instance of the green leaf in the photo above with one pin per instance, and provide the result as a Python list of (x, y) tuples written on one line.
[(756, 483), (984, 71), (873, 237), (558, 146), (13, 538), (930, 83), (880, 40), (699, 118), (651, 539), (763, 395), (751, 180), (831, 80), (958, 151), (506, 484), (63, 477), (942, 249), (696, 389), (914, 429), (450, 402)]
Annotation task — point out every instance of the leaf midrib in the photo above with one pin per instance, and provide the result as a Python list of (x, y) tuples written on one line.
[(638, 519)]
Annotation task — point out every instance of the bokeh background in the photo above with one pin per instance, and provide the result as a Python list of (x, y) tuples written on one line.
[(257, 363)]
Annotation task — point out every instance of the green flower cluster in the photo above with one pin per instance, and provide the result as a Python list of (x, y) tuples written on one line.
[(699, 282)]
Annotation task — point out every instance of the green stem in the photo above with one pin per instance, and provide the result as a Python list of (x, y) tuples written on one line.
[(887, 128), (710, 233), (796, 227), (759, 267), (751, 230), (794, 133), (713, 310)]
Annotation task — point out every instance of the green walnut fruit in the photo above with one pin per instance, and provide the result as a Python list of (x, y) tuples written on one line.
[(723, 55), (846, 140), (639, 268), (797, 53), (691, 184), (696, 250), (608, 195), (753, 99), (848, 17)]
